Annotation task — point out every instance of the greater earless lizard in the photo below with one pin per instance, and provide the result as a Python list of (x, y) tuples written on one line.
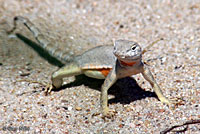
[(103, 62)]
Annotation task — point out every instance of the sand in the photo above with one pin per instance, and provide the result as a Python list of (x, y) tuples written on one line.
[(76, 26)]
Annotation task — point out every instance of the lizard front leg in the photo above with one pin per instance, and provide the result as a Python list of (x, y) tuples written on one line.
[(109, 81), (149, 77)]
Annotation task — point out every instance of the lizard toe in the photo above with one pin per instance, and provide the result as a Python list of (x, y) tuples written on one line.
[(108, 113), (48, 89), (175, 102)]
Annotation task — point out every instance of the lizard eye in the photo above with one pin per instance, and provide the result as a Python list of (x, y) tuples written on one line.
[(133, 47)]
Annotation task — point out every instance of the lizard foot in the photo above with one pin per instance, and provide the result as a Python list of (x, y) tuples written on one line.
[(48, 89), (108, 113), (172, 103), (165, 100)]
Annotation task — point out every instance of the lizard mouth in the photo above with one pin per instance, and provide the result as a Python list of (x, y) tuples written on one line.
[(127, 58)]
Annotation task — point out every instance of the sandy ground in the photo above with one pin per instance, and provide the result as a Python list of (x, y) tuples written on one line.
[(79, 25)]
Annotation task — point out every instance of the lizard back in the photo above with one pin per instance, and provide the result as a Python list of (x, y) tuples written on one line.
[(96, 58)]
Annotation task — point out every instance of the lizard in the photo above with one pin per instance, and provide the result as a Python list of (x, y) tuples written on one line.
[(109, 62)]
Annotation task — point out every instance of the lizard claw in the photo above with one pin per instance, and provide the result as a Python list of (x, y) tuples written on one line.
[(48, 89), (108, 113), (174, 103)]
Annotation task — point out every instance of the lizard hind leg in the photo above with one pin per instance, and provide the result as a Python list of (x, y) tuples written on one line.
[(68, 70)]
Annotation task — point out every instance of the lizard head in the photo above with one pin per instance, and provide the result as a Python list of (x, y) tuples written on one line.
[(127, 51)]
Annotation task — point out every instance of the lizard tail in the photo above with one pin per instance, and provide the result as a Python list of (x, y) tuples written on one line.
[(43, 42)]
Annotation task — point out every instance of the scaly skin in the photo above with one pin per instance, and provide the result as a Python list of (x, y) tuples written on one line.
[(103, 62)]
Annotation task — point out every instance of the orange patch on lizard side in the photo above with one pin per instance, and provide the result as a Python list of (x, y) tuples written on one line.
[(127, 63), (104, 71)]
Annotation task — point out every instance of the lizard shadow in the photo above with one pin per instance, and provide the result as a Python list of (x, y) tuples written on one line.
[(125, 90), (41, 51)]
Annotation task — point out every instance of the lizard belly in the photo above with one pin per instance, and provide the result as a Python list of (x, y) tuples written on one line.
[(97, 73)]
